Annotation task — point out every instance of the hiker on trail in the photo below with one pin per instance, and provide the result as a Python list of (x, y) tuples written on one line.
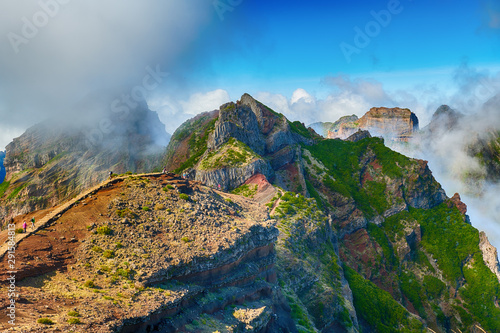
[(218, 186), (164, 170), (110, 174), (33, 223), (24, 226)]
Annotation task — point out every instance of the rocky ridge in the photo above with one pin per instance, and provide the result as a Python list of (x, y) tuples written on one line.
[(50, 163), (386, 227), (138, 253)]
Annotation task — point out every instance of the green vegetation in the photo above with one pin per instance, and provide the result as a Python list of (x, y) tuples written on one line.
[(185, 239), (344, 170), (246, 190), (57, 157), (433, 287), (184, 196), (97, 249), (198, 137), (104, 230), (45, 321), (380, 237), (125, 213), (90, 284), (453, 244), (3, 188), (108, 254), (378, 308), (411, 287), (168, 187), (19, 230), (16, 191), (232, 154), (74, 321), (300, 129), (73, 314), (146, 208)]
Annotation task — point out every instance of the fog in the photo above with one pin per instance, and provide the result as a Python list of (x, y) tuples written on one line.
[(55, 52)]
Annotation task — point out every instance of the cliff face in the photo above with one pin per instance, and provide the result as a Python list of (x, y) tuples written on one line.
[(378, 235), (53, 161), (391, 123), (238, 141), (154, 252)]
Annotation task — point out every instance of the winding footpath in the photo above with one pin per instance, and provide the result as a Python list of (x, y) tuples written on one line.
[(55, 214)]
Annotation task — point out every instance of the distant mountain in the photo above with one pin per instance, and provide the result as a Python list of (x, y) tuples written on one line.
[(391, 123), (57, 159), (2, 168), (368, 240), (444, 119)]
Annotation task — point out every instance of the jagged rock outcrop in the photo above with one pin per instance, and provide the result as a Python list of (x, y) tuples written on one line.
[(392, 123), (359, 135), (444, 119), (490, 254), (55, 160), (240, 140)]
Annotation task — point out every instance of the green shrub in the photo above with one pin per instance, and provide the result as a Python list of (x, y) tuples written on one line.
[(185, 239), (377, 307), (73, 314), (97, 249), (90, 284), (74, 321), (168, 187), (108, 254), (433, 286), (104, 230), (184, 196), (45, 321), (19, 230)]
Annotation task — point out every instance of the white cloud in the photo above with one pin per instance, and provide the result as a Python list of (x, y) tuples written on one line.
[(301, 95), (201, 102), (7, 133)]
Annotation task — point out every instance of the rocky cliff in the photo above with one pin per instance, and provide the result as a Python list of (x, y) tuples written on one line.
[(236, 142), (154, 253), (378, 246), (56, 160), (391, 123)]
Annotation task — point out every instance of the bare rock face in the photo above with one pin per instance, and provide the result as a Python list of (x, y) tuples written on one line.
[(490, 254), (359, 135), (247, 138), (393, 123), (457, 201)]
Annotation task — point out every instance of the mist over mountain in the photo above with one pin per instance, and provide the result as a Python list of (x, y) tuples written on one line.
[(59, 158)]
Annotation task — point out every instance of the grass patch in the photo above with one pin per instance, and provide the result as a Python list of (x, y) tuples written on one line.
[(45, 321), (3, 188), (184, 196), (104, 230)]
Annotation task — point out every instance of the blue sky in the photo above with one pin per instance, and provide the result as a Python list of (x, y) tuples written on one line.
[(290, 44), (286, 53)]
